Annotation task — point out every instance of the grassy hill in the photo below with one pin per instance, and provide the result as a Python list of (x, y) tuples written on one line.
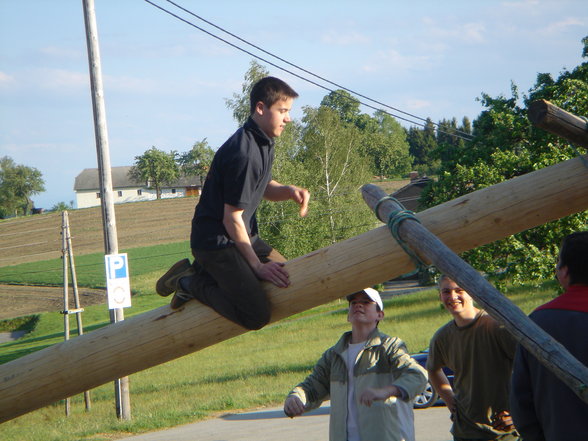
[(139, 224)]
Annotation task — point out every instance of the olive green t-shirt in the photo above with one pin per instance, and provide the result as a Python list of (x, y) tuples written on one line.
[(481, 355)]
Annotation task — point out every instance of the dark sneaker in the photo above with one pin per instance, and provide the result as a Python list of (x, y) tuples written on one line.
[(168, 283), (179, 298)]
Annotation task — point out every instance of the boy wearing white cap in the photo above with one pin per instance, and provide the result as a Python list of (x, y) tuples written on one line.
[(369, 376)]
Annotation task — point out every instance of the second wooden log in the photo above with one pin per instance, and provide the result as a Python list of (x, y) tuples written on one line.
[(548, 351)]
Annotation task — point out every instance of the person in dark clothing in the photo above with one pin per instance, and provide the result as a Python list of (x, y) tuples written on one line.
[(543, 407), (230, 259)]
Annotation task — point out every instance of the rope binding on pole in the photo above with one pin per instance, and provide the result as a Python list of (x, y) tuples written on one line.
[(394, 219)]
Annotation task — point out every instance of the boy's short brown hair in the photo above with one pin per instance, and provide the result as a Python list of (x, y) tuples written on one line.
[(269, 90)]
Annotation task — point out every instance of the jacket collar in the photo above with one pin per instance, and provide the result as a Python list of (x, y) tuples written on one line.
[(574, 299), (374, 339)]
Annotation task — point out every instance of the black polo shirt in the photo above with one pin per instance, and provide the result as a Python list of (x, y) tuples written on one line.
[(239, 174)]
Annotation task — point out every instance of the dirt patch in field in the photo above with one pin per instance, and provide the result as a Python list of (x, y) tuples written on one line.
[(19, 301)]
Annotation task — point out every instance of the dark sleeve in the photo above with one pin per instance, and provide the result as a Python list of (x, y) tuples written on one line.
[(239, 180), (522, 406)]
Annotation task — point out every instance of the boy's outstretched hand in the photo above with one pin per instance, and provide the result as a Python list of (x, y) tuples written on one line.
[(301, 196)]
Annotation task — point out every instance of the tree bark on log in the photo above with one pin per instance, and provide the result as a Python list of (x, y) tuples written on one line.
[(548, 116), (161, 335), (549, 352)]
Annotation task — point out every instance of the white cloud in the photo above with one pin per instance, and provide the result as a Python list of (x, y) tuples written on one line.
[(60, 79), (31, 81), (338, 38), (469, 33), (562, 25), (416, 104), (523, 4), (129, 84), (61, 53), (473, 32), (6, 79), (39, 155), (393, 60)]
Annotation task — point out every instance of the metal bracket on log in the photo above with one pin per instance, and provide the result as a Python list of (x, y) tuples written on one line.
[(548, 351)]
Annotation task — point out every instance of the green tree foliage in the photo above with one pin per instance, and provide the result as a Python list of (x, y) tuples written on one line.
[(196, 162), (63, 206), (382, 139), (156, 168), (240, 103), (422, 143), (507, 145), (335, 172), (385, 145), (17, 184), (321, 154), (345, 104), (451, 144)]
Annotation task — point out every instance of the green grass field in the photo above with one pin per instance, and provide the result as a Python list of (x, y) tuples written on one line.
[(252, 370), (90, 267)]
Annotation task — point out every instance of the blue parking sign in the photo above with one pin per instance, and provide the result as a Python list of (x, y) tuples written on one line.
[(116, 266), (117, 281)]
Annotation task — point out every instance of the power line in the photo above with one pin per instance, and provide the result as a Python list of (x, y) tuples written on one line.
[(292, 64), (458, 133)]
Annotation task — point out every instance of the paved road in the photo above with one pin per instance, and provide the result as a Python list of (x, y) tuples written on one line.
[(271, 424)]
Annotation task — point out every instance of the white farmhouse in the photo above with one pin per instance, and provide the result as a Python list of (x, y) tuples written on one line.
[(87, 188)]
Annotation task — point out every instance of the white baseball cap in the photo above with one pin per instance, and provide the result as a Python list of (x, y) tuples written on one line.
[(371, 293)]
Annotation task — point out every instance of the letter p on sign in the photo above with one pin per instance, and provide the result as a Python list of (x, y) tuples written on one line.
[(117, 281)]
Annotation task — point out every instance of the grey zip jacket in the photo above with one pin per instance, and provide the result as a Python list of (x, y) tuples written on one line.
[(383, 361)]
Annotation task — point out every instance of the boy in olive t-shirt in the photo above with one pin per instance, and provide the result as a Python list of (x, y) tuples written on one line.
[(480, 352)]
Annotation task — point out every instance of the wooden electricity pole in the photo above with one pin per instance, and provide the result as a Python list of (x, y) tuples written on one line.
[(121, 386)]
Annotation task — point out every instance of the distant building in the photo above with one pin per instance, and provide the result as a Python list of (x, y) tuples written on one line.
[(409, 194), (87, 188)]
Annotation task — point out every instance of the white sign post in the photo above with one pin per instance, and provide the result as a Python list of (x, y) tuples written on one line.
[(117, 281)]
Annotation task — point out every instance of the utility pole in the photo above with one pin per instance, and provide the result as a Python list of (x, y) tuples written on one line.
[(121, 386)]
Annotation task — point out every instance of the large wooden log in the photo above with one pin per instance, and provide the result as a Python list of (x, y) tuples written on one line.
[(430, 249), (548, 116), (161, 335)]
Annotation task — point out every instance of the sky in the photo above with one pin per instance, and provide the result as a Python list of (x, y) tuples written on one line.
[(166, 82)]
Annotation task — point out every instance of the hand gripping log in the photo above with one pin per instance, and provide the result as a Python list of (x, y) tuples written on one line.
[(430, 249)]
